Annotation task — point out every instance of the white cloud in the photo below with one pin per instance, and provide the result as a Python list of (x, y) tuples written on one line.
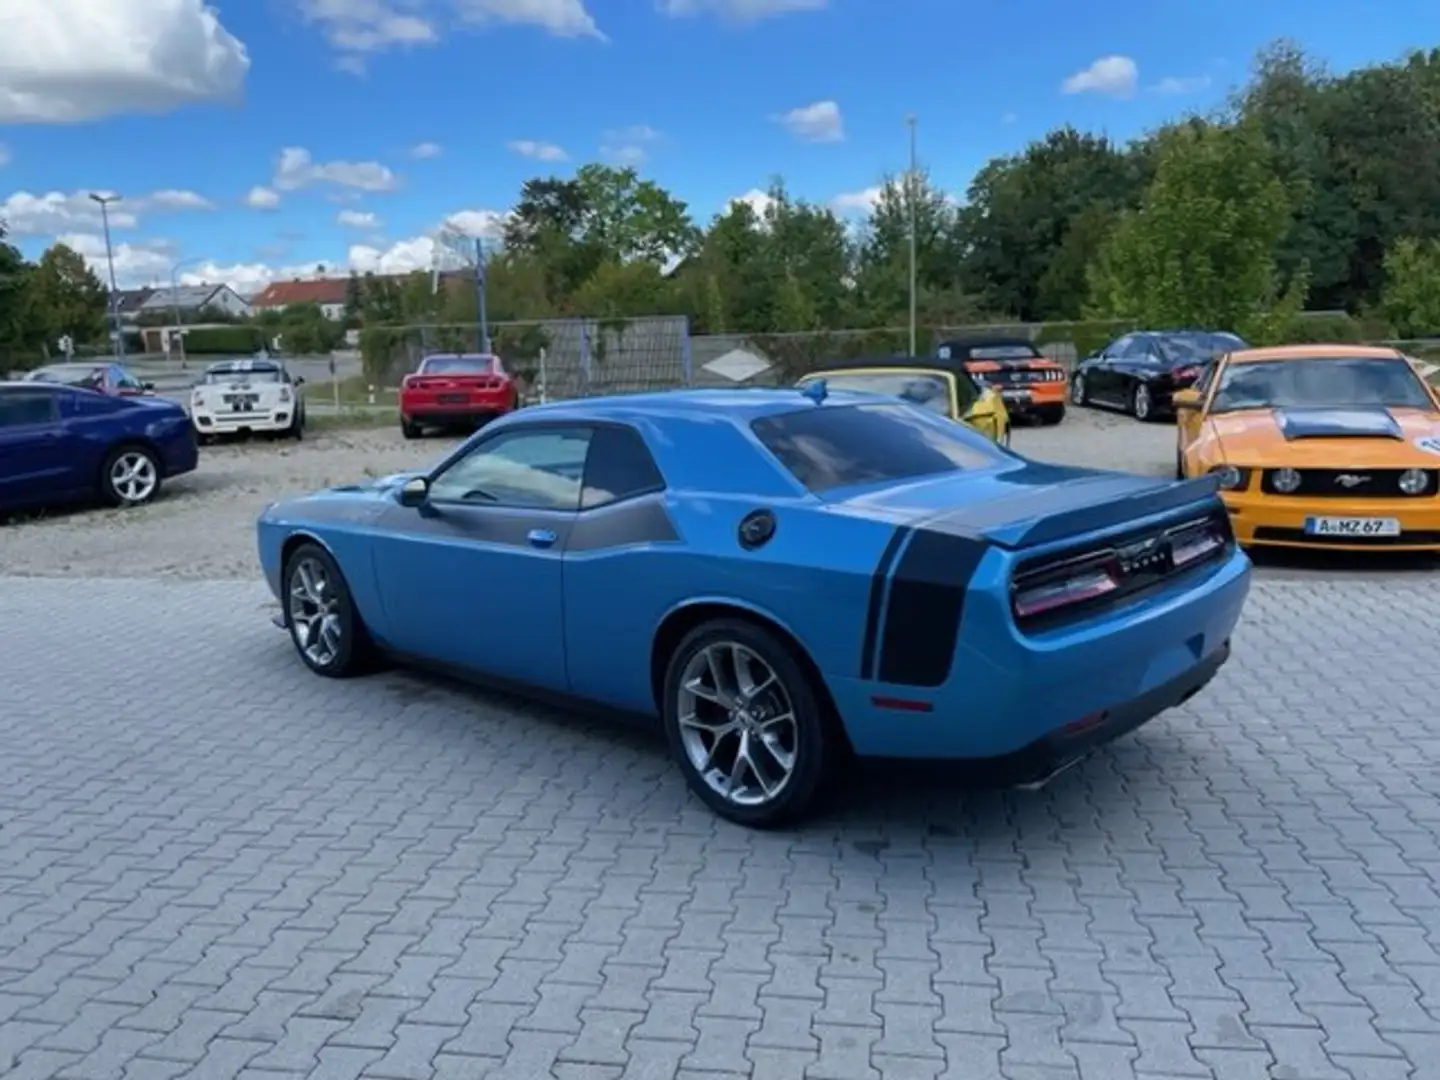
[(740, 11), (57, 212), (562, 18), (1114, 76), (758, 201), (296, 169), (629, 146), (261, 198), (64, 61), (357, 219), (484, 224), (136, 264), (1182, 84), (540, 151), (357, 29), (426, 150), (817, 122), (853, 202)]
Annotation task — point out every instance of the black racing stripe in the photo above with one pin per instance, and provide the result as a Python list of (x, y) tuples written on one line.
[(877, 599), (927, 601)]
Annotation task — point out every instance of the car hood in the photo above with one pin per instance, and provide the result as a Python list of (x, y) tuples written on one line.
[(1027, 503), (1359, 437)]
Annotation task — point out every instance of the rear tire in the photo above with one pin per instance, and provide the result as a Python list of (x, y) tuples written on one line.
[(1052, 414), (130, 476), (747, 726), (320, 614), (296, 430), (409, 428), (1179, 465), (1142, 405)]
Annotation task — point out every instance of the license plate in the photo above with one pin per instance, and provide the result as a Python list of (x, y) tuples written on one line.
[(1352, 526), (1015, 395), (453, 399)]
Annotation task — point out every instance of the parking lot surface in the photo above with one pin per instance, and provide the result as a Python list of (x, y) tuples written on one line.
[(214, 864)]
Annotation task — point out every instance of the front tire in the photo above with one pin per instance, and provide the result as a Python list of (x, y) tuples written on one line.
[(297, 426), (1079, 393), (130, 476), (320, 614), (746, 724)]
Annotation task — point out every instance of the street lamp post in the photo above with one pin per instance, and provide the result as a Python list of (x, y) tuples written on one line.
[(105, 201), (175, 303), (910, 189)]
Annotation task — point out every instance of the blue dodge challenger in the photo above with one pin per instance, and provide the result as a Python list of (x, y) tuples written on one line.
[(781, 578)]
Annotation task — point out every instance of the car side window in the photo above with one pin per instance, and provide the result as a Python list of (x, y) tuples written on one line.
[(1117, 347), (534, 469), (25, 408), (1207, 373), (619, 466)]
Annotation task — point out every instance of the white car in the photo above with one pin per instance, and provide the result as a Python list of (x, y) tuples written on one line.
[(242, 397)]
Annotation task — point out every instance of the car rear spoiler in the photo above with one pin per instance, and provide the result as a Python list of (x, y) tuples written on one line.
[(1084, 505)]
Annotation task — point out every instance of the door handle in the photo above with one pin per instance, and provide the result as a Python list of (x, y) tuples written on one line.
[(541, 538)]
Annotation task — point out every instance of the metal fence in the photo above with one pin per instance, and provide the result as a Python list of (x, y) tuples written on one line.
[(552, 358)]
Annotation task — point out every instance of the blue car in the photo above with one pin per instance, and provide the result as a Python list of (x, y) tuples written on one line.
[(64, 444), (781, 578)]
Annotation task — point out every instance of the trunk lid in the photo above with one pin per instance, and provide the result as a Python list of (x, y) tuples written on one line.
[(1031, 504)]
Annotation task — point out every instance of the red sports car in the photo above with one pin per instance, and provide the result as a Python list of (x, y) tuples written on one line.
[(456, 390)]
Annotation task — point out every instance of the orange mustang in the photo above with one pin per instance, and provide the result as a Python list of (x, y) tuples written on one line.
[(1333, 446)]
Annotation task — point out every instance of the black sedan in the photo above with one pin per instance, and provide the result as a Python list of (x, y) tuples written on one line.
[(1140, 372)]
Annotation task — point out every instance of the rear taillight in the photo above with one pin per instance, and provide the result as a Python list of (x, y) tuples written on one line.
[(1063, 586), (1191, 544)]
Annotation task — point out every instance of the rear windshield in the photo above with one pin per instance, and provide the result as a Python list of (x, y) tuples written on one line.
[(457, 365), (70, 376), (831, 446), (1003, 352), (236, 374), (926, 389), (1197, 347)]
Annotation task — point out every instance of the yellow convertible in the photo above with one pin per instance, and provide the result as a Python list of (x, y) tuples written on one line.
[(961, 397)]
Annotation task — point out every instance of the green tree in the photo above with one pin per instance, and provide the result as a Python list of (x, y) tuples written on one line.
[(1201, 248), (1411, 300), (66, 297), (18, 338), (1020, 209)]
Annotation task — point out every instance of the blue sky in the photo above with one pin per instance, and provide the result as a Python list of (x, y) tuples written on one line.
[(258, 137)]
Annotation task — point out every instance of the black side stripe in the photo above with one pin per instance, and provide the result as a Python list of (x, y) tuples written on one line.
[(926, 603), (877, 599)]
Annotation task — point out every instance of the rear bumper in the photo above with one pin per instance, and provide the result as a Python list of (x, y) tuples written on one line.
[(1262, 520), (438, 412), (1056, 693), (1034, 397), (208, 423)]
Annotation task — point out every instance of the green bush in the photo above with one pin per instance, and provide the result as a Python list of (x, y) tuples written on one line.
[(1087, 335), (1323, 326), (209, 340)]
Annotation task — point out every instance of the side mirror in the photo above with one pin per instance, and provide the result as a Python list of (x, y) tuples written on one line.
[(149, 387), (1185, 400), (415, 491), (299, 380)]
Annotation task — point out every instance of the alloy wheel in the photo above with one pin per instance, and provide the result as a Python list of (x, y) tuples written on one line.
[(133, 476), (737, 724), (1142, 402), (314, 608)]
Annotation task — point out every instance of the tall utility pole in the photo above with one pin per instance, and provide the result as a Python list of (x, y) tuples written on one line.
[(175, 303), (105, 201), (910, 200), (480, 294)]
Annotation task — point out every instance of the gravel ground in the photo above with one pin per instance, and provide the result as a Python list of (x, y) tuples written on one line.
[(202, 526)]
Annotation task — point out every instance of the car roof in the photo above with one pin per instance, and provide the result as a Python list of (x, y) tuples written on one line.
[(34, 385), (988, 341), (739, 406), (246, 363), (458, 356), (1331, 350)]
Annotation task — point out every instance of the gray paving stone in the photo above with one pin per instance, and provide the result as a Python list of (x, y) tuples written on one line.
[(215, 865)]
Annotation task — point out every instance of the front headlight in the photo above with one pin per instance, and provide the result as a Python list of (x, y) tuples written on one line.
[(1286, 481), (1414, 481), (1231, 477)]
